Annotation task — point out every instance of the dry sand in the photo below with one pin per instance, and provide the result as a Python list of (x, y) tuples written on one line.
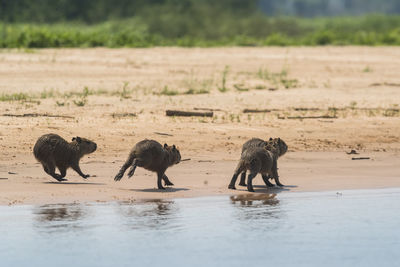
[(362, 83)]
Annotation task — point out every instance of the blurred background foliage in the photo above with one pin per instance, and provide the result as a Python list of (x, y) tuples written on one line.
[(144, 23)]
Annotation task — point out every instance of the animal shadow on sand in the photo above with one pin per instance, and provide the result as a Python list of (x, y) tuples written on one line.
[(73, 183), (154, 190)]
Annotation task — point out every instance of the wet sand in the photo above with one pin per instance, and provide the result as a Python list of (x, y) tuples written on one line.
[(357, 86), (299, 172)]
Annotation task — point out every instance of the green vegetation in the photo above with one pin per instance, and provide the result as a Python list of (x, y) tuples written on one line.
[(192, 91), (169, 92), (183, 30), (223, 87), (14, 97), (277, 79)]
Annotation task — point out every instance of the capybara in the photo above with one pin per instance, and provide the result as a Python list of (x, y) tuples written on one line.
[(52, 151), (260, 160), (152, 156)]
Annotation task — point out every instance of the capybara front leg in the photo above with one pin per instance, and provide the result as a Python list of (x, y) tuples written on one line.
[(159, 179), (166, 180), (76, 168)]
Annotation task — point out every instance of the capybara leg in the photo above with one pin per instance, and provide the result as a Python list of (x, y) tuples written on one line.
[(166, 180), (63, 171), (76, 168), (278, 183), (250, 182), (275, 173), (238, 170), (133, 168), (50, 169), (233, 181), (159, 178), (267, 183), (243, 179), (121, 172)]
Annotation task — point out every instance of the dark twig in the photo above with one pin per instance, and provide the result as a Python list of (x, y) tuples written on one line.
[(37, 115), (188, 113), (163, 134)]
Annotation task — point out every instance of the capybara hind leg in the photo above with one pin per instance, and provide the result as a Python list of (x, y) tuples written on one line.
[(121, 172), (243, 179), (250, 182), (133, 168), (159, 178), (267, 183), (238, 170), (63, 171), (166, 180), (50, 169)]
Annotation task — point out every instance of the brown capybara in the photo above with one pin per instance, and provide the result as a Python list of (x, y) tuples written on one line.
[(152, 156), (260, 160), (54, 151)]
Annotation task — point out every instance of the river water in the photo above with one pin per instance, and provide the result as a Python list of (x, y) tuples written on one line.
[(347, 228)]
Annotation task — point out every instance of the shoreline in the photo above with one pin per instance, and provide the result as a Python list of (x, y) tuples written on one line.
[(299, 171)]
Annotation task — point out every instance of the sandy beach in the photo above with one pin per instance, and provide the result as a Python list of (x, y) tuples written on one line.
[(339, 99)]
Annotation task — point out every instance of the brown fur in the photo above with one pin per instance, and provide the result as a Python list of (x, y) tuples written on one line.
[(260, 159), (52, 151), (152, 156)]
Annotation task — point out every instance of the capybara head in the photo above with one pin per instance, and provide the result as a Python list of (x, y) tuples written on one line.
[(278, 145), (84, 145), (174, 153)]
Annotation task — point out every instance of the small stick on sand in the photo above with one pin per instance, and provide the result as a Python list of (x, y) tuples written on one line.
[(209, 109), (247, 110), (185, 159), (163, 134), (37, 115), (309, 117), (188, 113), (361, 158)]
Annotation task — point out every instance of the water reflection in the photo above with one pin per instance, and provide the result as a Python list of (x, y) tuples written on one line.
[(148, 214), (248, 199), (63, 217), (263, 208)]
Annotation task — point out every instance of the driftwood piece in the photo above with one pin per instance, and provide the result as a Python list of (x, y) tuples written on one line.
[(307, 109), (360, 158), (208, 109), (123, 115), (185, 159), (165, 134), (37, 115), (189, 113), (385, 84), (308, 117), (248, 110)]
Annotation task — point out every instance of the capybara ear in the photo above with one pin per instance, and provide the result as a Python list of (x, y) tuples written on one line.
[(165, 145), (270, 139), (173, 147), (73, 138), (78, 139)]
